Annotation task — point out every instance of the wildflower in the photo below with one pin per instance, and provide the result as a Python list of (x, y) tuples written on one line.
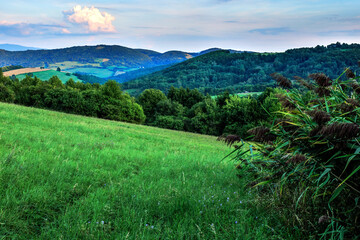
[(235, 222), (220, 204), (355, 86), (320, 117), (298, 158), (152, 227), (240, 202), (102, 222), (324, 219), (262, 134), (230, 140), (340, 131), (350, 74), (281, 80), (146, 225), (321, 79)]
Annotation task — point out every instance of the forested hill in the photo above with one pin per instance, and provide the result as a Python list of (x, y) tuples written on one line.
[(112, 55), (222, 70)]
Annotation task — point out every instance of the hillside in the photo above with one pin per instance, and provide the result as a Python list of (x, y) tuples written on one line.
[(110, 55), (88, 178), (102, 61), (217, 71)]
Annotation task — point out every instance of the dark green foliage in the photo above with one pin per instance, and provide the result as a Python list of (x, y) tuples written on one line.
[(308, 158), (9, 68), (107, 101), (6, 94), (218, 71), (186, 97), (149, 100), (112, 89), (169, 122), (202, 114)]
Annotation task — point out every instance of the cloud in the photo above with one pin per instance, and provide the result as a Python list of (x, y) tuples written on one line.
[(92, 18), (271, 31), (21, 29)]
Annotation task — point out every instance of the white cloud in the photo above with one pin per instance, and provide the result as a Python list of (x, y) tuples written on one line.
[(92, 18)]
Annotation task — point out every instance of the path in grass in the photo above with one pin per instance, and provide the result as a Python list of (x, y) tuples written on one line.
[(70, 177)]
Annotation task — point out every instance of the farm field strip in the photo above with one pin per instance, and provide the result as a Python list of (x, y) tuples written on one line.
[(24, 71)]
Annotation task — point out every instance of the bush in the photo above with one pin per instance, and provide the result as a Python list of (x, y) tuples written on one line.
[(6, 94), (169, 122), (309, 157)]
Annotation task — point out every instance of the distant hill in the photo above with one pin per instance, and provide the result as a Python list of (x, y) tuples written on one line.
[(102, 61), (14, 47), (217, 71), (109, 55)]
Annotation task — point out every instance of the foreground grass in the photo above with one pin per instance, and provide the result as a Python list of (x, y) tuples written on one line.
[(70, 177)]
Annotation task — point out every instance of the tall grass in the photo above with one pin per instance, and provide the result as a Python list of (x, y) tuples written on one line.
[(308, 157)]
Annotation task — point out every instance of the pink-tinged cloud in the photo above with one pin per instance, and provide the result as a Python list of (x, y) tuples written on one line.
[(92, 18)]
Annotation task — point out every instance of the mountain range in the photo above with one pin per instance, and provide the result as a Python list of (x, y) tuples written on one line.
[(108, 55), (14, 47)]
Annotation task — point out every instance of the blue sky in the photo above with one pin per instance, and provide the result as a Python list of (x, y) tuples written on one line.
[(257, 25)]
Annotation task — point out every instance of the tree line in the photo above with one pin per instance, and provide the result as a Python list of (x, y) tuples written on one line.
[(103, 101), (219, 71), (180, 109)]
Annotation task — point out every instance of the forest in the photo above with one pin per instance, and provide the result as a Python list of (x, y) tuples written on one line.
[(219, 71)]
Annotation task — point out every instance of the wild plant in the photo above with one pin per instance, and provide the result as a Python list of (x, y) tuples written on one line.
[(309, 155)]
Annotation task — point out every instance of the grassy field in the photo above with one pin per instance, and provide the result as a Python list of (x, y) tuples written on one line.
[(46, 75), (98, 72), (23, 71), (72, 64), (70, 177)]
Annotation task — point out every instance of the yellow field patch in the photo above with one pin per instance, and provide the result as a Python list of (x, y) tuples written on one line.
[(23, 71)]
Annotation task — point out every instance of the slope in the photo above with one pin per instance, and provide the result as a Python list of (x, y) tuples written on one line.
[(87, 178), (217, 71)]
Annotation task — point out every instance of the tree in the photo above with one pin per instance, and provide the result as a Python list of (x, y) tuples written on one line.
[(148, 100), (6, 94), (58, 69), (112, 89)]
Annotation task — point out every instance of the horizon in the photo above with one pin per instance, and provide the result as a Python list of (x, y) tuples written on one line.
[(260, 25), (94, 45)]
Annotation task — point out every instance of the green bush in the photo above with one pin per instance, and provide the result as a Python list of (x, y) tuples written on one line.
[(6, 94), (169, 122), (309, 157)]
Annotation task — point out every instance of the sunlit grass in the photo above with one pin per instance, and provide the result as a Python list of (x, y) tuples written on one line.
[(70, 177)]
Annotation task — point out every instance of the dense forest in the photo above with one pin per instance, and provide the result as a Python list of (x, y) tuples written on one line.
[(218, 71)]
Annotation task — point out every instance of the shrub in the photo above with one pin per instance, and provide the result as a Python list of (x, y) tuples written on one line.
[(309, 157), (6, 94)]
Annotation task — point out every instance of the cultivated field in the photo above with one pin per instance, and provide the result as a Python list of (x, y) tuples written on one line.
[(46, 75), (24, 71), (71, 177)]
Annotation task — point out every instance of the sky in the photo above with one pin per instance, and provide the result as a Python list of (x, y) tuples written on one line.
[(187, 25)]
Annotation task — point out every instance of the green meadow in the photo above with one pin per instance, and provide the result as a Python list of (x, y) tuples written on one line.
[(46, 75), (98, 72), (65, 176)]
